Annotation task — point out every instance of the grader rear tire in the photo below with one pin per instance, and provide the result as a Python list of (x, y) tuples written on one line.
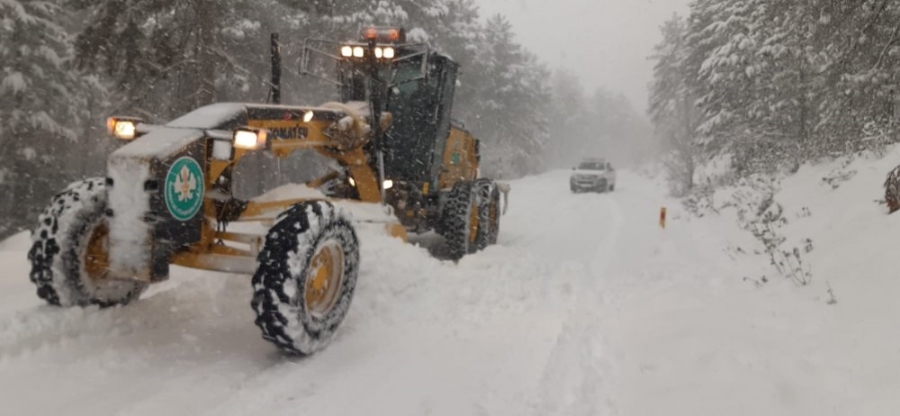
[(306, 278), (69, 256), (461, 221), (488, 196), (494, 214)]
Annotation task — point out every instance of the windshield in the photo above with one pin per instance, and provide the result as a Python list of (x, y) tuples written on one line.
[(592, 166)]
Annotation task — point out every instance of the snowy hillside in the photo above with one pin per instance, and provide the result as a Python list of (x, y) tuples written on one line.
[(585, 307)]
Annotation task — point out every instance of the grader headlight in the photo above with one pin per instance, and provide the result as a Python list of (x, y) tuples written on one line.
[(386, 52), (122, 128), (359, 51), (250, 139)]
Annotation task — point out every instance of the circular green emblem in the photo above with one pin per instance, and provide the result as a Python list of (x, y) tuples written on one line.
[(184, 188)]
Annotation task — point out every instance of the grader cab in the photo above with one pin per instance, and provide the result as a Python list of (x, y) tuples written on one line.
[(168, 197), (426, 154)]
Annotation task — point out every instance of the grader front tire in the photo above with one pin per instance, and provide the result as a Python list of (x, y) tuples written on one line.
[(69, 256), (306, 278), (892, 190)]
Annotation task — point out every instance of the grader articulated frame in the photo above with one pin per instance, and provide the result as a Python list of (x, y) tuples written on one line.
[(168, 197)]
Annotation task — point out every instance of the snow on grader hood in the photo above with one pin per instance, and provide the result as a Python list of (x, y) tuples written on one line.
[(168, 195), (157, 184)]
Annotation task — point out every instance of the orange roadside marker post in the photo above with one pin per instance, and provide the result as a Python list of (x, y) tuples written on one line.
[(662, 218)]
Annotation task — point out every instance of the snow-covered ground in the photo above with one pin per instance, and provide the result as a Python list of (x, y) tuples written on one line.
[(585, 307)]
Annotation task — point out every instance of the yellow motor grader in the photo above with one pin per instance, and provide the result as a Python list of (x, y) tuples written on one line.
[(168, 197)]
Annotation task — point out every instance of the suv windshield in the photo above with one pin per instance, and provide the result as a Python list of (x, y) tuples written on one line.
[(591, 166)]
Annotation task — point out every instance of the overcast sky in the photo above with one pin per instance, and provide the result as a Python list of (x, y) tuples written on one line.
[(606, 42)]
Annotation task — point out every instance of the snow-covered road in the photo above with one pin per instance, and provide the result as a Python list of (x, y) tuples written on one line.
[(585, 307)]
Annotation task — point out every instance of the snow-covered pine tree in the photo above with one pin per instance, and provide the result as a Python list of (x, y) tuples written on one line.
[(513, 103), (39, 109), (727, 64), (781, 82), (858, 48), (673, 111), (455, 29), (168, 57)]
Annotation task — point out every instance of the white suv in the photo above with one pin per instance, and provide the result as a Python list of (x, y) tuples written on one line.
[(593, 175)]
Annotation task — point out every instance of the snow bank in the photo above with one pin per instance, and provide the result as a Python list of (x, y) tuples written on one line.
[(732, 335), (831, 212), (16, 242)]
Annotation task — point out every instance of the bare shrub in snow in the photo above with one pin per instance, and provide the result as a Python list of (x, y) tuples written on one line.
[(758, 283), (807, 245), (838, 176), (790, 265), (765, 227), (700, 202), (761, 215), (831, 299)]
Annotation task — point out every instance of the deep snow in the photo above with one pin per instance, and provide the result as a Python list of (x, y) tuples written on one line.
[(585, 307)]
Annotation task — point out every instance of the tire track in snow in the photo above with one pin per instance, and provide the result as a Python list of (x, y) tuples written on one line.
[(47, 327), (573, 382)]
